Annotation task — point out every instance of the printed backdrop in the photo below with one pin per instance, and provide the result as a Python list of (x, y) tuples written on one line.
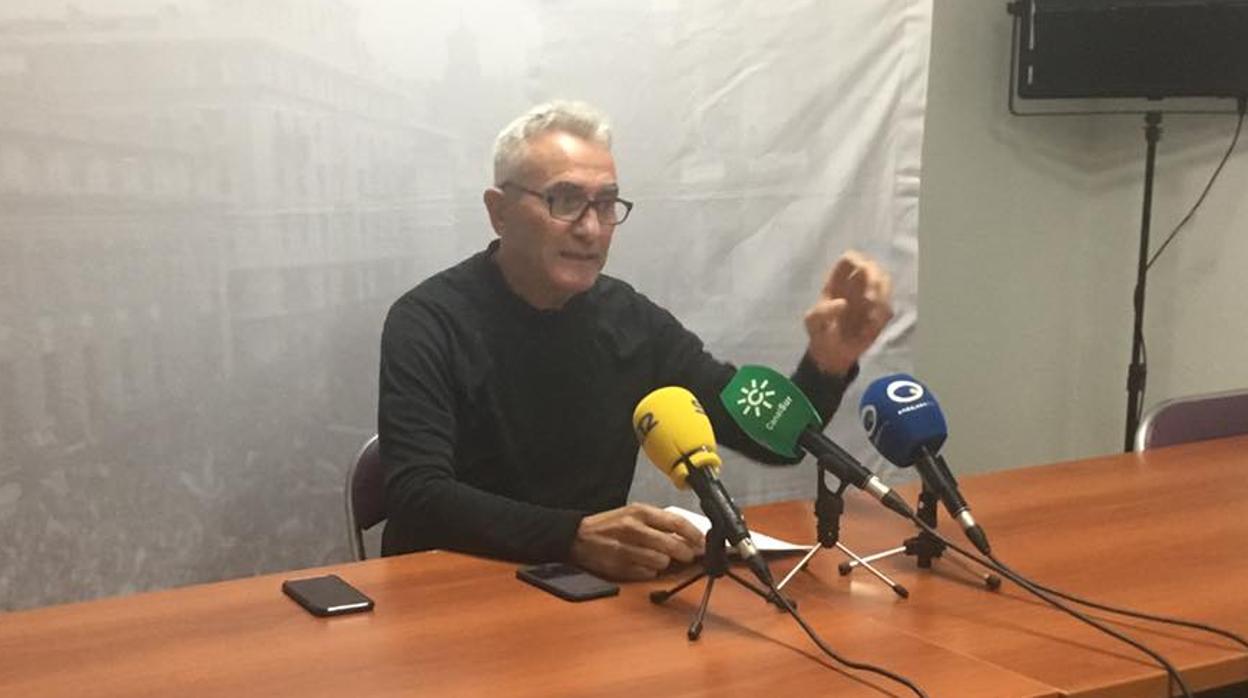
[(209, 205)]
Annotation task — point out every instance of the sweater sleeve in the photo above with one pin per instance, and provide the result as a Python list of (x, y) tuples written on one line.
[(685, 361), (418, 426)]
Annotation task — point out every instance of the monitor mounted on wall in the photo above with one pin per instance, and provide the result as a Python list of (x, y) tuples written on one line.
[(1132, 48)]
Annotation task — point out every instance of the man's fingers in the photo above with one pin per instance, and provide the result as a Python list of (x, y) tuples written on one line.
[(881, 287), (670, 533), (847, 275), (839, 276), (636, 541), (856, 297), (856, 276), (632, 555), (640, 537), (675, 523), (879, 316), (850, 313), (823, 313)]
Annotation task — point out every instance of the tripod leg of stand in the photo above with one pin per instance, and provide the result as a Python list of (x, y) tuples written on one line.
[(865, 564), (991, 581), (695, 627), (848, 566), (664, 594), (799, 567), (767, 595)]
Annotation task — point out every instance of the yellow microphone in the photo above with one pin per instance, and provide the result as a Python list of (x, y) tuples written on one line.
[(674, 431)]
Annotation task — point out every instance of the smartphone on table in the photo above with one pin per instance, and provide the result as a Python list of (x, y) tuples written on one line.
[(327, 595), (568, 582)]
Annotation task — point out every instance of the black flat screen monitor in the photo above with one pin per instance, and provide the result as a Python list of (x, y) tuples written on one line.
[(1132, 48)]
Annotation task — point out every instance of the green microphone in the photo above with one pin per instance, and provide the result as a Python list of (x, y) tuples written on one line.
[(775, 413)]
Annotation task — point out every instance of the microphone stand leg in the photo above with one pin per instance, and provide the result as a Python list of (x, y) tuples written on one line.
[(662, 595), (991, 581), (767, 596), (848, 566), (829, 506), (866, 564), (924, 547), (897, 588), (714, 566), (695, 627), (800, 566), (926, 550)]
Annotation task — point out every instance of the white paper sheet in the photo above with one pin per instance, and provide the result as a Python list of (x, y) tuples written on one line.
[(765, 543)]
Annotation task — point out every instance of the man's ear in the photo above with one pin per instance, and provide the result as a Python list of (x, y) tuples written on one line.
[(495, 202)]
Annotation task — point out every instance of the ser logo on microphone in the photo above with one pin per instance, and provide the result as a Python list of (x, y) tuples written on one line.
[(645, 424)]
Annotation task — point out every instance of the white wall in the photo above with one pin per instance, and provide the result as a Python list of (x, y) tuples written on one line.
[(1028, 236)]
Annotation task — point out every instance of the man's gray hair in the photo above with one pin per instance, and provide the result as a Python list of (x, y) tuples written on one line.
[(576, 118)]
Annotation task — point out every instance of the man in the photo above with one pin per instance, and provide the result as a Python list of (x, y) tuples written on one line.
[(508, 381)]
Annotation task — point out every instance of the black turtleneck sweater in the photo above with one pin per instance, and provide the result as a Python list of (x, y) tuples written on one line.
[(502, 426)]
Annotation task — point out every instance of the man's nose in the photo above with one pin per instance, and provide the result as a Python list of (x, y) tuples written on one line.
[(589, 224)]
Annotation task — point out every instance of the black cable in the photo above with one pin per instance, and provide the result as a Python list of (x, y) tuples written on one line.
[(1117, 609), (1241, 107), (1134, 614), (1024, 583), (1242, 104), (836, 657)]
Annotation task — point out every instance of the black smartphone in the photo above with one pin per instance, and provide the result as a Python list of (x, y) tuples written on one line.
[(327, 595), (566, 581)]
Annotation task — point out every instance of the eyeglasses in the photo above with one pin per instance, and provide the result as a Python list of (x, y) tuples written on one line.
[(570, 203)]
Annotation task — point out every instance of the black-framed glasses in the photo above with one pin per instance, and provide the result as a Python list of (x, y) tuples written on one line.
[(570, 203)]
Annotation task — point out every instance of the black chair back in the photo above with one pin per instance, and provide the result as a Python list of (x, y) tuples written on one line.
[(1194, 418), (365, 495)]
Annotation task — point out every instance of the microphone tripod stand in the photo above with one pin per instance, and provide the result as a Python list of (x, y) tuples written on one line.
[(924, 546), (714, 566), (828, 508)]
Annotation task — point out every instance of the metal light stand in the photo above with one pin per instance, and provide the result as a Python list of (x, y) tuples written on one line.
[(1136, 372), (828, 508), (925, 547), (714, 566)]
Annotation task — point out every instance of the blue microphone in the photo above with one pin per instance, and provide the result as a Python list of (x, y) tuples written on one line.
[(901, 418), (905, 424)]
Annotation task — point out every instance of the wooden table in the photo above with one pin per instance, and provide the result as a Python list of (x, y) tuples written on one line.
[(1164, 532)]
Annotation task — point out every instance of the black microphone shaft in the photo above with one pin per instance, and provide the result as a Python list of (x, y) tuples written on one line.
[(718, 506), (847, 469), (935, 472), (727, 519)]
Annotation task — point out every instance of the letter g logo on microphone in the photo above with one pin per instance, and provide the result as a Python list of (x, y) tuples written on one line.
[(904, 391)]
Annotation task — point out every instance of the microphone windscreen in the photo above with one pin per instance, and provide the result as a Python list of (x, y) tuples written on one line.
[(901, 416), (673, 430), (769, 408)]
